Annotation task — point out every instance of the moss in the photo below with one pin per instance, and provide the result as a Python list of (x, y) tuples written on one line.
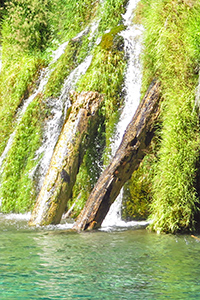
[(62, 69), (111, 14), (136, 197), (69, 17), (105, 75), (17, 186), (171, 54), (110, 40), (16, 82), (27, 25), (110, 126), (91, 166)]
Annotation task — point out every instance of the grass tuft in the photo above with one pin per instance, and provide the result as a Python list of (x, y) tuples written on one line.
[(171, 54)]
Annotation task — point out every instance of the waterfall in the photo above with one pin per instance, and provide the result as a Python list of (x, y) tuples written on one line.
[(58, 106), (133, 44), (44, 76), (55, 106), (54, 125), (42, 82)]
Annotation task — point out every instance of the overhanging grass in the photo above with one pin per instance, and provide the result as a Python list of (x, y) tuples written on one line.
[(17, 186), (30, 32), (172, 54), (16, 82), (105, 75)]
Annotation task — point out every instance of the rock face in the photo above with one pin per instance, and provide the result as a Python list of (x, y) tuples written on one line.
[(135, 141), (66, 160)]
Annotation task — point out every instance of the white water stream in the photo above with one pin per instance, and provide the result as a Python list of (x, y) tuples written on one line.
[(56, 106), (54, 125), (132, 38), (133, 46), (45, 74)]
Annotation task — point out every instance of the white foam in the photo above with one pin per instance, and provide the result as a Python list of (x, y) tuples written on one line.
[(133, 46), (13, 216), (53, 126)]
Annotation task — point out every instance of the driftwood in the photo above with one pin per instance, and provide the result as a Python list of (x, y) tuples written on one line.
[(61, 176), (135, 142)]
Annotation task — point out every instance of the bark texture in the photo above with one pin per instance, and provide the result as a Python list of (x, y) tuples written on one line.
[(131, 151), (61, 176)]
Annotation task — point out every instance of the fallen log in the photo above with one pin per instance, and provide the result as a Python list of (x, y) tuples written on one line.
[(61, 176), (131, 151)]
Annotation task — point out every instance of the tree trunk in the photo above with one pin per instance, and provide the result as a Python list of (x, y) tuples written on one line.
[(66, 160), (131, 151)]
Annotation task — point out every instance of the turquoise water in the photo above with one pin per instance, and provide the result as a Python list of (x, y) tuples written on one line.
[(50, 263)]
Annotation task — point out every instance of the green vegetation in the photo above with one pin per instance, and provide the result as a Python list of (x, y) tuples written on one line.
[(105, 75), (62, 69), (27, 26), (111, 14), (137, 193), (32, 31), (17, 190), (172, 55), (26, 31), (70, 17), (15, 84)]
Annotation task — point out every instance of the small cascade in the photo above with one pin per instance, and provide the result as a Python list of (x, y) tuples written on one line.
[(133, 45), (59, 107), (56, 106), (114, 218), (42, 82), (54, 125)]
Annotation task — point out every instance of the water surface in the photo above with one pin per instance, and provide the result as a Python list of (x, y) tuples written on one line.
[(51, 263)]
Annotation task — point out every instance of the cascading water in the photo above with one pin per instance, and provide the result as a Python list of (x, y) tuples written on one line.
[(58, 107), (133, 44), (45, 74), (53, 126), (42, 82)]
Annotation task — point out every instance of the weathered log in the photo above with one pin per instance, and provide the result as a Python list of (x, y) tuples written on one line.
[(61, 176), (131, 151)]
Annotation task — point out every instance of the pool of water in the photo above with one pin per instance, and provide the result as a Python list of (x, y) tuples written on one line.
[(53, 263)]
